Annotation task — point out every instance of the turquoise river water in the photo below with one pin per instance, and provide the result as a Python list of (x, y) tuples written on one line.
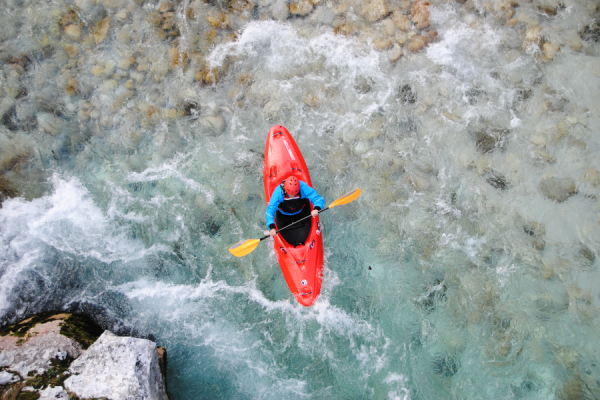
[(131, 153)]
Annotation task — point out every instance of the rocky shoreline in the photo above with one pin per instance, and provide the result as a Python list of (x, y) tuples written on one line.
[(67, 356)]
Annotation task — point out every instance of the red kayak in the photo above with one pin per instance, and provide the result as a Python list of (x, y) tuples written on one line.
[(302, 265)]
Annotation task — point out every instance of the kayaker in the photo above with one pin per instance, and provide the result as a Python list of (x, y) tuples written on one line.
[(289, 203)]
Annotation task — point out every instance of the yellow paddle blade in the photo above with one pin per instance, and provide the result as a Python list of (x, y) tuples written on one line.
[(240, 249), (348, 198)]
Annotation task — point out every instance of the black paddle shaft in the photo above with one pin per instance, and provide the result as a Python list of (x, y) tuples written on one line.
[(294, 223)]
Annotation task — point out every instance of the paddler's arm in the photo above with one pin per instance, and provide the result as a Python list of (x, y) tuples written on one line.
[(276, 200), (311, 194)]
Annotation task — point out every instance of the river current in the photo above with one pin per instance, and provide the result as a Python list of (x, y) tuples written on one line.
[(131, 152)]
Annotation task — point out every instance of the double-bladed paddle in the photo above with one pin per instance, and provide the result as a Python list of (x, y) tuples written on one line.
[(244, 247)]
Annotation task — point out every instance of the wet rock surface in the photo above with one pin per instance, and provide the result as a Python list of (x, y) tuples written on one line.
[(32, 352), (6, 377), (407, 95), (535, 228), (57, 355), (446, 365), (118, 367), (433, 297), (497, 180), (490, 140), (558, 189)]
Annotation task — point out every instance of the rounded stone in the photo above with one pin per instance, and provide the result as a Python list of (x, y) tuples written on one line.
[(389, 27), (382, 43), (73, 32), (401, 21), (122, 15), (417, 43), (549, 49), (302, 7), (374, 10), (558, 189), (395, 53), (419, 14), (216, 124)]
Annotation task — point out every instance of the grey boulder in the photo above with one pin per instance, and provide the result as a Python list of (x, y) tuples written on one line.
[(118, 368)]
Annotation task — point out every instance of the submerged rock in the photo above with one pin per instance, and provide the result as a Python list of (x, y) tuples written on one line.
[(539, 244), (558, 189), (395, 53), (389, 27), (302, 7), (549, 50), (591, 32), (118, 368), (375, 9), (165, 7), (100, 31), (417, 43), (534, 228), (434, 295), (418, 181), (382, 44), (215, 124), (446, 365), (73, 32), (407, 95), (487, 141), (430, 35), (207, 76), (574, 40), (498, 181), (419, 13), (49, 123), (544, 156), (280, 10), (191, 109), (532, 36), (585, 257), (122, 15), (363, 85), (592, 176), (401, 21)]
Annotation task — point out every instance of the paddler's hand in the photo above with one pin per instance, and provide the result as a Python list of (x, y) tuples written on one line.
[(272, 232), (314, 213)]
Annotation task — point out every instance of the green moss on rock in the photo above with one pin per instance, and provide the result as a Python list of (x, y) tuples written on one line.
[(28, 396), (81, 329), (53, 377), (75, 326)]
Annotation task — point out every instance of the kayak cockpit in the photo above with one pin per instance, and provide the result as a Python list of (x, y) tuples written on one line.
[(297, 234)]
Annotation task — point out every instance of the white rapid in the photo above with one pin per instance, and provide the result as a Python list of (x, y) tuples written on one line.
[(131, 159)]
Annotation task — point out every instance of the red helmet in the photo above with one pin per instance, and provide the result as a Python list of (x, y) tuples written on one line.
[(292, 186)]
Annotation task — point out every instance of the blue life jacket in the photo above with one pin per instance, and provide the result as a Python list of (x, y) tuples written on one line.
[(291, 205), (279, 202)]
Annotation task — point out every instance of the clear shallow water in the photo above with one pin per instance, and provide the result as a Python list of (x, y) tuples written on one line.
[(477, 158)]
